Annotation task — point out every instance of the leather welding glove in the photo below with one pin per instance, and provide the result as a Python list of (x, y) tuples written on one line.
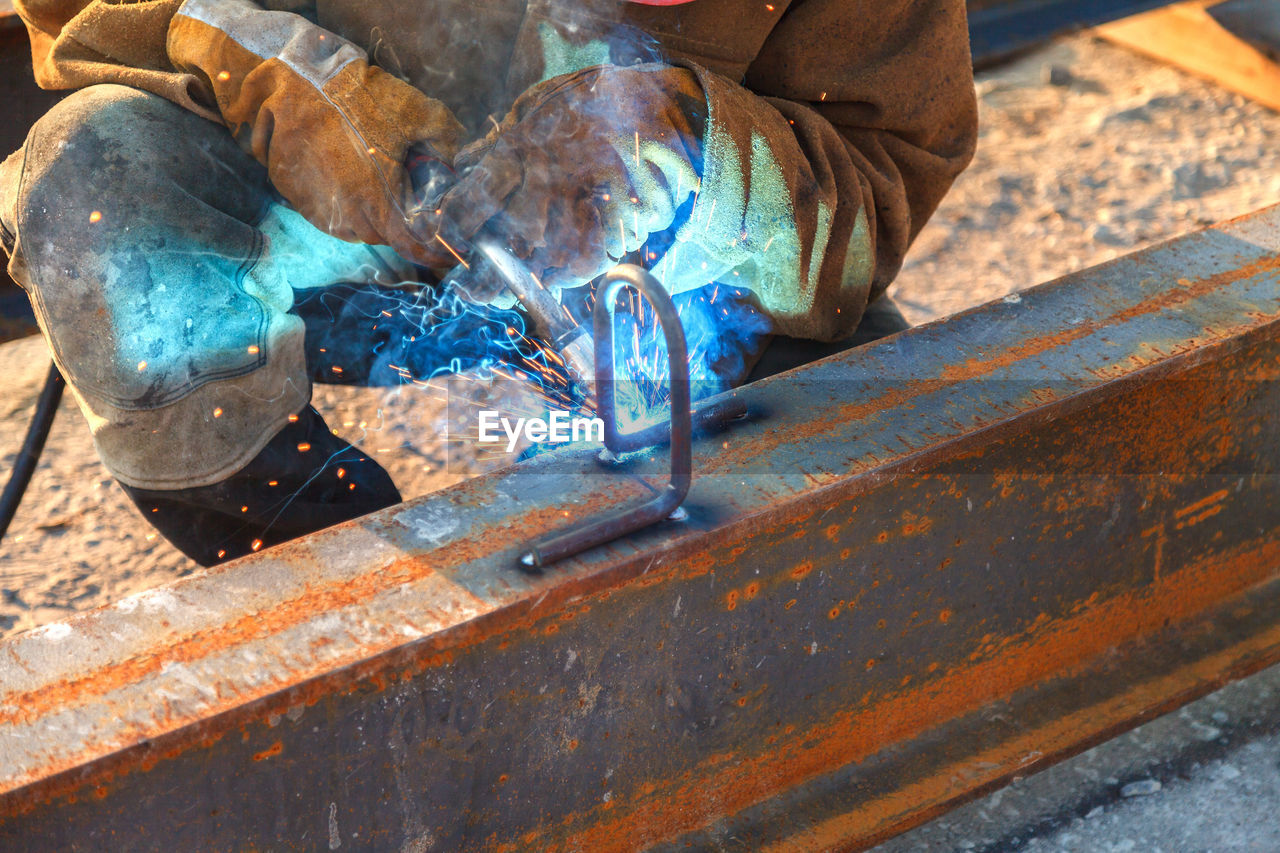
[(333, 131), (716, 183), (582, 170)]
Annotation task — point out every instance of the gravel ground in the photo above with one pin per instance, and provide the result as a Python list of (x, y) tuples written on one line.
[(1086, 152)]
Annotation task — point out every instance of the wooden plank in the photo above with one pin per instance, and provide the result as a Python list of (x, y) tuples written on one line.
[(1187, 36)]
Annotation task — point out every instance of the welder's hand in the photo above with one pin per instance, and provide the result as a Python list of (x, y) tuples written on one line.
[(584, 169), (333, 131)]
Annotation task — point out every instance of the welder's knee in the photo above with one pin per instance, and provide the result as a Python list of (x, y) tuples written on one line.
[(137, 239), (113, 146)]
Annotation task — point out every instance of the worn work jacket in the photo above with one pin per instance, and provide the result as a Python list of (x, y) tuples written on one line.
[(840, 123)]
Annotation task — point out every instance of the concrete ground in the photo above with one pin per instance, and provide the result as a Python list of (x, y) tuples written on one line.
[(1205, 778)]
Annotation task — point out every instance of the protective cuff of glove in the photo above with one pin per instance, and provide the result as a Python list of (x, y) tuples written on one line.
[(332, 130), (764, 214)]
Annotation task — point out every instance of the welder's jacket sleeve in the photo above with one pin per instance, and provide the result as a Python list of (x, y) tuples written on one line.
[(78, 43), (332, 129)]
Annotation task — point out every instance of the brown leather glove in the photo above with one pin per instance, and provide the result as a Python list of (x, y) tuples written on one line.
[(332, 130), (584, 169)]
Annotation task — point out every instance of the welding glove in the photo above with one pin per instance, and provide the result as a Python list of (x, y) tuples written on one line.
[(333, 131), (582, 170)]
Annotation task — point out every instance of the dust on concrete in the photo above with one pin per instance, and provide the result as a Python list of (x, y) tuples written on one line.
[(1086, 152)]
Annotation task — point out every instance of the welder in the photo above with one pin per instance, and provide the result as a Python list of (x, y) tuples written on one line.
[(196, 221)]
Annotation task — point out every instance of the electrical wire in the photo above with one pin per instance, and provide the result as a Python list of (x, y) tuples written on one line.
[(25, 463)]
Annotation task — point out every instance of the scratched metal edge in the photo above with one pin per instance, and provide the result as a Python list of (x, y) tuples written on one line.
[(628, 566)]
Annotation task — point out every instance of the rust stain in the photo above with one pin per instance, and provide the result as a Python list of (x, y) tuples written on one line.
[(876, 820), (270, 752), (1007, 664), (28, 706), (1208, 501)]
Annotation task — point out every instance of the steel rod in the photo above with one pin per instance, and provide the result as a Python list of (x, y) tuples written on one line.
[(606, 527)]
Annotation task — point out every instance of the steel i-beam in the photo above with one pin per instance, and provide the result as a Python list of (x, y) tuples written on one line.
[(918, 569)]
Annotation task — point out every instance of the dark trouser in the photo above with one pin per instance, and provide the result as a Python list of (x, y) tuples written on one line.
[(881, 319)]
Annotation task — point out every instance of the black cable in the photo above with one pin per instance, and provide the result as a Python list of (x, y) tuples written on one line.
[(25, 464)]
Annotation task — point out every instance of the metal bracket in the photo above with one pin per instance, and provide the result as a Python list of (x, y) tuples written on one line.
[(606, 527)]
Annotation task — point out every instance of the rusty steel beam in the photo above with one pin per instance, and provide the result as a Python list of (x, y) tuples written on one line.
[(920, 568)]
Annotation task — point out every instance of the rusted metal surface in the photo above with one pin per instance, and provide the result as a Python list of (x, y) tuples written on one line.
[(919, 568)]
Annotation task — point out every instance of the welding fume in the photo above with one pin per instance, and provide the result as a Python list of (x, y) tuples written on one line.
[(239, 199)]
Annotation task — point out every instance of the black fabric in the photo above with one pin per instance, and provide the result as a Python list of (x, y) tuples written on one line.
[(304, 480), (380, 336), (881, 319)]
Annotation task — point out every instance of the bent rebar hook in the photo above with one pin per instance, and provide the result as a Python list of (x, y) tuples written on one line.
[(610, 525)]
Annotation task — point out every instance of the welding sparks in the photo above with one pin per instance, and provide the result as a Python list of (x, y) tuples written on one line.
[(465, 265)]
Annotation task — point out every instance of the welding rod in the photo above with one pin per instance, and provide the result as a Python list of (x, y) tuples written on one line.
[(548, 316)]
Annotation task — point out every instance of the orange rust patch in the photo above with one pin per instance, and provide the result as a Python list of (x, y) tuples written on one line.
[(28, 706), (801, 571), (975, 367), (1007, 665), (833, 532), (944, 616), (271, 751), (731, 600)]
